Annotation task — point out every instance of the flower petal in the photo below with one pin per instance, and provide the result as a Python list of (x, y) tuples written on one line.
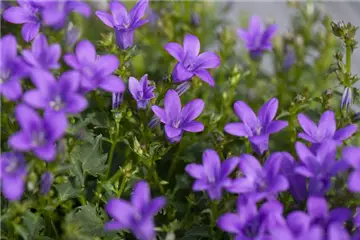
[(352, 156), (85, 52), (172, 132), (228, 166), (17, 15), (113, 226), (317, 207), (327, 124), (138, 10), (191, 46), (268, 111), (20, 141), (260, 143), (47, 152), (180, 74), (304, 153), (354, 181), (307, 125), (134, 87), (193, 126), (26, 117), (345, 132), (13, 188), (276, 126), (119, 12), (304, 171), (245, 113), (207, 60), (195, 170), (106, 18), (140, 197), (172, 105), (238, 129), (192, 110), (107, 64), (76, 104), (11, 89), (241, 185), (230, 222), (155, 205), (205, 76), (250, 166), (112, 83), (175, 50), (35, 99), (160, 113), (200, 185), (121, 211), (29, 31), (56, 124), (211, 163)]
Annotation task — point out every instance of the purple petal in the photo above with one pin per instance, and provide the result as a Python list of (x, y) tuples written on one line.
[(200, 185), (141, 195), (76, 104), (11, 89), (211, 163), (145, 230), (354, 181), (29, 31), (160, 113), (250, 166), (105, 17), (54, 53), (39, 45), (317, 207), (339, 167), (259, 144), (205, 76), (56, 124), (107, 64), (80, 7), (327, 124), (20, 141), (35, 99), (121, 211), (307, 138), (345, 132), (304, 171), (195, 170), (279, 184), (112, 83), (192, 110), (326, 153), (307, 125), (255, 26), (228, 166), (26, 117), (180, 74), (238, 129), (245, 113), (172, 105), (241, 185), (139, 23), (340, 215), (155, 205), (268, 111), (47, 152), (138, 10), (215, 193), (352, 156), (191, 46), (337, 232), (71, 61), (69, 81), (42, 79), (119, 12), (124, 39), (29, 58), (193, 126), (304, 153), (175, 50), (243, 34), (298, 221), (230, 222), (207, 60), (17, 15), (268, 35), (113, 226), (8, 47), (85, 52), (134, 87), (276, 126), (172, 132), (13, 187)]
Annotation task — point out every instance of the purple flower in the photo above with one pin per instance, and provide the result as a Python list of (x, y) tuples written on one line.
[(259, 181), (195, 19), (190, 62), (72, 35), (95, 71), (56, 96), (356, 222), (257, 129), (37, 134), (28, 13), (13, 173), (257, 38), (212, 175), (42, 55), (177, 120), (117, 99), (347, 98), (141, 91), (289, 58), (352, 156), (136, 215), (326, 129), (55, 12), (46, 181), (11, 68), (249, 223), (124, 23), (319, 167)]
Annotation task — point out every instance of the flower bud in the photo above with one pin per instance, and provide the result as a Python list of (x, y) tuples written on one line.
[(346, 99)]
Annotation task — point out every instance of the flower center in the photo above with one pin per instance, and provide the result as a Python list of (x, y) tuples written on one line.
[(56, 103), (176, 124), (261, 185), (88, 71), (38, 138), (140, 95), (189, 64), (251, 229)]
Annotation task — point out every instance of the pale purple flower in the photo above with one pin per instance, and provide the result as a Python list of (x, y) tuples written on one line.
[(248, 222), (124, 23), (289, 58), (257, 129), (42, 55), (72, 35), (56, 12), (183, 88), (46, 181), (37, 134), (28, 13), (213, 175), (13, 173), (136, 215), (56, 96), (257, 38), (95, 71), (347, 98), (177, 119), (190, 63), (326, 129), (321, 167), (259, 182), (141, 91), (352, 156)]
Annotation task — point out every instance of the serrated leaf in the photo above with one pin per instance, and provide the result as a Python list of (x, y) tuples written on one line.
[(22, 232), (66, 191), (33, 223)]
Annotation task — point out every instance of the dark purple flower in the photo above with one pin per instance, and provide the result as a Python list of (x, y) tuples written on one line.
[(42, 55), (136, 215), (249, 223), (56, 96), (257, 38), (55, 12), (212, 175), (190, 62), (117, 99), (177, 120), (11, 68), (124, 23), (259, 181), (257, 129), (289, 58), (141, 91), (352, 156), (95, 71), (326, 129), (46, 181), (319, 167), (28, 13), (347, 98), (37, 134), (13, 173), (195, 19)]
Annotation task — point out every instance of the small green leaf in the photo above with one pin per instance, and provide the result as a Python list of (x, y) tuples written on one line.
[(66, 191), (33, 223)]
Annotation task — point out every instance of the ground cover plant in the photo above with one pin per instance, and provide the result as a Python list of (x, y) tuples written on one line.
[(165, 120)]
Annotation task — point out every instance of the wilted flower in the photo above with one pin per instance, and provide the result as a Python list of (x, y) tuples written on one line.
[(177, 120), (141, 91), (325, 130), (182, 88), (95, 71), (352, 156), (124, 23), (13, 172), (42, 55), (319, 167), (346, 99), (257, 38), (56, 96), (136, 215), (212, 176), (46, 181), (11, 68), (259, 182), (37, 134), (257, 129), (190, 62), (72, 35)]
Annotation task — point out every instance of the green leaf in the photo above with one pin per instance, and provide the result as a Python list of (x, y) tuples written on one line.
[(66, 191), (33, 223), (22, 232)]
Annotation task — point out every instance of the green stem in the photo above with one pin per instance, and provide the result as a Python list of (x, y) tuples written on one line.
[(348, 66), (214, 213), (113, 145), (122, 186), (173, 163), (156, 178)]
